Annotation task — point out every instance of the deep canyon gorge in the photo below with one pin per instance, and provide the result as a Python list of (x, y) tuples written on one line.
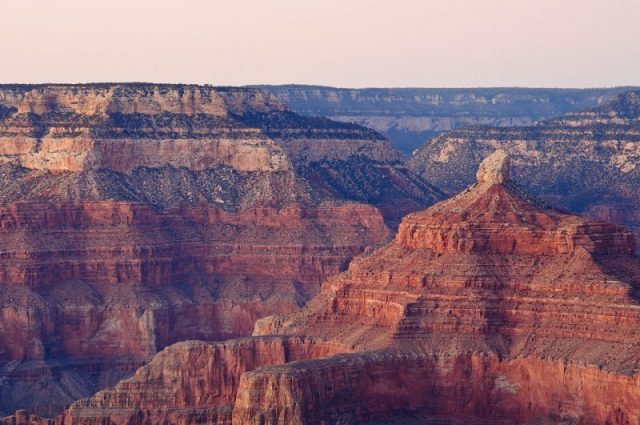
[(184, 254), (537, 322)]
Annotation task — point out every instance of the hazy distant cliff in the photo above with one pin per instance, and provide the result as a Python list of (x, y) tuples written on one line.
[(410, 116), (584, 161)]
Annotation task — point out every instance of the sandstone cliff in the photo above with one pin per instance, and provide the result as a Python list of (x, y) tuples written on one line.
[(110, 132), (134, 216), (586, 162), (487, 308), (191, 382)]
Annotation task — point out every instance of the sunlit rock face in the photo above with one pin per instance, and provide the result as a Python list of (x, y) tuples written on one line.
[(135, 216), (129, 129), (487, 308), (585, 162)]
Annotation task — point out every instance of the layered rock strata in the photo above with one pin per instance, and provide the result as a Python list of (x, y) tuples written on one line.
[(487, 308), (191, 382), (129, 128), (586, 162), (409, 116), (415, 388), (134, 216)]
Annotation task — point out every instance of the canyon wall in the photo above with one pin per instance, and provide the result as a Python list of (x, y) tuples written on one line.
[(135, 216), (298, 381), (134, 128), (536, 323), (585, 162), (410, 116), (413, 388)]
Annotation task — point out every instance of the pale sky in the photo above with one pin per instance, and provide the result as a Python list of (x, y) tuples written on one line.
[(347, 43)]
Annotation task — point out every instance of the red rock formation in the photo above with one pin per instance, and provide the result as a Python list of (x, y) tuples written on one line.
[(493, 269), (487, 308), (414, 388), (140, 288), (191, 382), (136, 216)]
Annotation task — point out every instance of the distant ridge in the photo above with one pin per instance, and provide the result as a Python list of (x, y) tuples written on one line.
[(410, 116), (587, 162)]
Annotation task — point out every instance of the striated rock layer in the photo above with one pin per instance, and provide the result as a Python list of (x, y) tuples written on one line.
[(134, 216), (409, 116), (487, 308), (414, 388), (586, 162), (191, 382), (107, 130)]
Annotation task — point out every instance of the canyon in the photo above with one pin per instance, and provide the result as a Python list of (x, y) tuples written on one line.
[(486, 308), (410, 116), (585, 162), (136, 216)]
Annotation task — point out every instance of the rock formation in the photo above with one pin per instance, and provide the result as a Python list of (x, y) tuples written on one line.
[(111, 132), (134, 216), (409, 116), (487, 308), (192, 382), (585, 162)]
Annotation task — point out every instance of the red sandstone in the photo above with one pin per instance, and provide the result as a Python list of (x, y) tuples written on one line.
[(486, 309)]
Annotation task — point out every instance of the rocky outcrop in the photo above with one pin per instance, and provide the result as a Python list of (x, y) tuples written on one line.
[(190, 382), (135, 216), (414, 388), (495, 169), (536, 322), (496, 217), (585, 162), (409, 116), (490, 272)]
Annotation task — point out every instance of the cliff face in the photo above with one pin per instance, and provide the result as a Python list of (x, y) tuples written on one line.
[(409, 116), (190, 382), (585, 162), (134, 216), (108, 132), (76, 128), (487, 308), (414, 388), (518, 271)]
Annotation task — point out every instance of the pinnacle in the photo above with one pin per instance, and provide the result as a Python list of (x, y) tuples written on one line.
[(495, 168)]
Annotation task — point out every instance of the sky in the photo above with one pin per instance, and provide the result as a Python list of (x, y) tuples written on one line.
[(345, 43)]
